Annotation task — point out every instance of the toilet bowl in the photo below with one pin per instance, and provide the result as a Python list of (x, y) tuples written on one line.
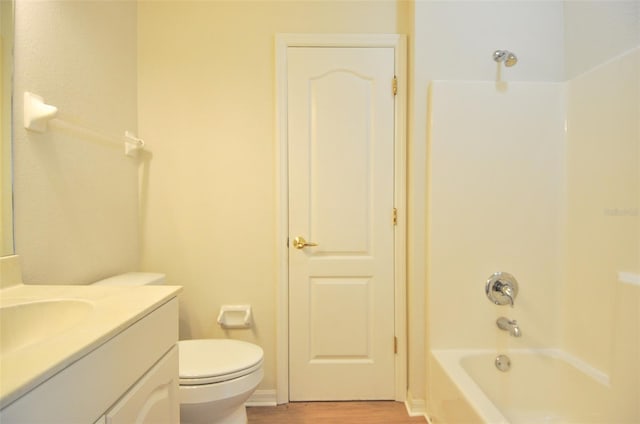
[(217, 376)]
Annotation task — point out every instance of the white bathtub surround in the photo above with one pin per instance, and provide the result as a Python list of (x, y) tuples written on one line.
[(10, 271), (542, 385), (629, 278), (495, 202), (580, 180)]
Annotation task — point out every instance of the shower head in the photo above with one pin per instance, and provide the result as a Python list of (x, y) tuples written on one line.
[(505, 56)]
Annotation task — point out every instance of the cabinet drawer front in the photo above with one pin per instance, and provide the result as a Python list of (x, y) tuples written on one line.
[(153, 399)]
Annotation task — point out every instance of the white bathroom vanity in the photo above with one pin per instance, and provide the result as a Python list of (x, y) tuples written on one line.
[(88, 354)]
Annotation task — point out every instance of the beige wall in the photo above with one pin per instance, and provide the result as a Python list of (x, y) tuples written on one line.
[(207, 113), (76, 193)]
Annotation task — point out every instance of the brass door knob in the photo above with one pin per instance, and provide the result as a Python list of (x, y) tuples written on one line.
[(300, 243)]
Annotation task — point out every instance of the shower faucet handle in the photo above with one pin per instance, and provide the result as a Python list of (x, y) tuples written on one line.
[(501, 288)]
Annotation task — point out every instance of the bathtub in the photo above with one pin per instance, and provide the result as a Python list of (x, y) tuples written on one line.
[(542, 386)]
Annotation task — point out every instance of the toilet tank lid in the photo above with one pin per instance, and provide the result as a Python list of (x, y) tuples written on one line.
[(133, 279)]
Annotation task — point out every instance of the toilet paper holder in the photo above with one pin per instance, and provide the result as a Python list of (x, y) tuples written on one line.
[(235, 316)]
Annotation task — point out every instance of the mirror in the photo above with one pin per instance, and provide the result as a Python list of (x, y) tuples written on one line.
[(6, 78)]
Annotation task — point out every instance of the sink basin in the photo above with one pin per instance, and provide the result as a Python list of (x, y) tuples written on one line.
[(26, 323)]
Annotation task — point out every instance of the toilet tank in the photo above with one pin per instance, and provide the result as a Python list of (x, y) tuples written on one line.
[(133, 279)]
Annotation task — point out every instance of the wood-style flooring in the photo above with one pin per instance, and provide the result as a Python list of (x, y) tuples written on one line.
[(386, 412)]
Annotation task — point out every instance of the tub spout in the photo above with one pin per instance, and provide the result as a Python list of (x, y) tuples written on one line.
[(509, 325)]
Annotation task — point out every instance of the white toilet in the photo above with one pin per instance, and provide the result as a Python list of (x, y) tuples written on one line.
[(217, 376)]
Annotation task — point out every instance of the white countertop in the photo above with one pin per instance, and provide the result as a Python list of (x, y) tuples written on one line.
[(113, 309)]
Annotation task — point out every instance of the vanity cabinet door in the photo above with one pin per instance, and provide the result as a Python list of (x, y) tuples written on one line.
[(154, 398)]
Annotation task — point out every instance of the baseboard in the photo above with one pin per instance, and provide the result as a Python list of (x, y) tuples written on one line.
[(415, 407), (263, 398)]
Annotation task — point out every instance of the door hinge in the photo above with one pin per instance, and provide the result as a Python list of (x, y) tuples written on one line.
[(395, 216), (394, 85), (395, 344)]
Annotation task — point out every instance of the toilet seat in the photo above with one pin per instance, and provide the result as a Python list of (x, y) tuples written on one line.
[(207, 361)]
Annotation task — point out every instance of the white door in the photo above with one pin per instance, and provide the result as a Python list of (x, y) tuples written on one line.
[(341, 191)]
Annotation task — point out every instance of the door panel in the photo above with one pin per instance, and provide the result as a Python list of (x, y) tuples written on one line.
[(340, 124), (341, 179), (332, 338)]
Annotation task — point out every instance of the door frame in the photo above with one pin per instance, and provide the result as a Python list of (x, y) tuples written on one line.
[(398, 43)]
